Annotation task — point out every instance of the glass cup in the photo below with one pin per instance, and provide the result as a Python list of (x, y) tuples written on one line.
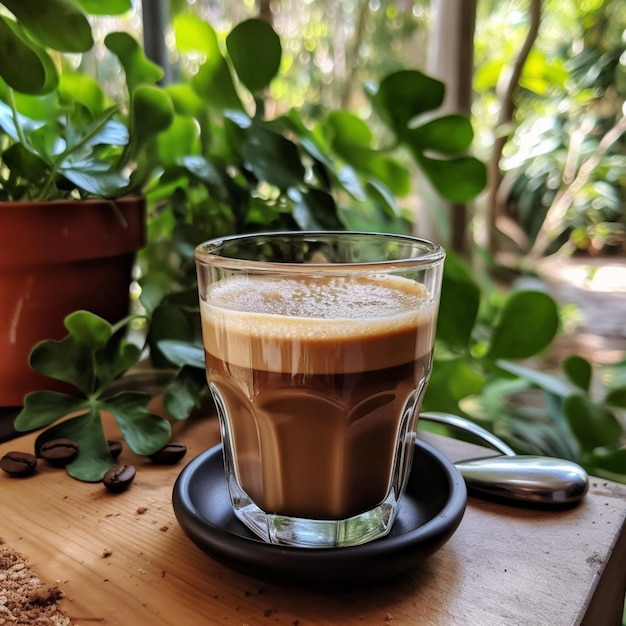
[(318, 350)]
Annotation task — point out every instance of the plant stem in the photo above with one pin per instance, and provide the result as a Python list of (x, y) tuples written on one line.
[(16, 116)]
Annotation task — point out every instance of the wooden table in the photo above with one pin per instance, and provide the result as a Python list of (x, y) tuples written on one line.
[(123, 559)]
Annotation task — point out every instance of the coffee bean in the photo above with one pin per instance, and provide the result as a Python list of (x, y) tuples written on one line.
[(18, 463), (115, 448), (118, 478), (169, 454), (59, 452)]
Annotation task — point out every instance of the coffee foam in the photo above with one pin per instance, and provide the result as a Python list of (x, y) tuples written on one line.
[(317, 324)]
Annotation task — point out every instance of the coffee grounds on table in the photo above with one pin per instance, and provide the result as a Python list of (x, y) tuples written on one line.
[(24, 598)]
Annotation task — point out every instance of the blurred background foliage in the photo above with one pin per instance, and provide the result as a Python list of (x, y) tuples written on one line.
[(568, 127)]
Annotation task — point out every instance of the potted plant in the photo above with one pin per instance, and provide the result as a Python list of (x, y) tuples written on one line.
[(73, 166)]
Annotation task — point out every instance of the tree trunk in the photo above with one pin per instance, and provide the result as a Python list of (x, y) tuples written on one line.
[(450, 59), (505, 90)]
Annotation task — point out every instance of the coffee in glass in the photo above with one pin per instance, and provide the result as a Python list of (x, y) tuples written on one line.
[(318, 350)]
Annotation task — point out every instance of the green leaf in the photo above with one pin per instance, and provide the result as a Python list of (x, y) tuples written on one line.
[(57, 24), (193, 34), (144, 432), (83, 89), (65, 360), (593, 425), (186, 392), (610, 460), (106, 7), (350, 137), (45, 407), (616, 397), (454, 322), (151, 113), (255, 51), (469, 176), (88, 329), (314, 209), (527, 324), (213, 81), (450, 134), (548, 382), (402, 96), (273, 158), (94, 458), (138, 68), (452, 380), (168, 323), (178, 142), (24, 163), (182, 353), (579, 371), (115, 358), (24, 66)]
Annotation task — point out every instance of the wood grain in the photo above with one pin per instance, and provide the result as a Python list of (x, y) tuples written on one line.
[(123, 559)]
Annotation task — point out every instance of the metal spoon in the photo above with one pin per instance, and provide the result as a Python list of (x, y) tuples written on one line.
[(526, 478)]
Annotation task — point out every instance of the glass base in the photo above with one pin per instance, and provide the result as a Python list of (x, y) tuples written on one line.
[(310, 533)]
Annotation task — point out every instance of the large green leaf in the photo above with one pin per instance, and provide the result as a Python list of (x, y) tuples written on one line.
[(550, 383), (193, 34), (65, 360), (610, 460), (138, 68), (88, 330), (314, 209), (404, 95), (45, 407), (144, 432), (25, 66), (351, 138), (255, 51), (617, 397), (450, 134), (24, 163), (272, 157), (451, 381), (75, 87), (94, 457), (151, 113), (106, 7), (182, 353), (460, 299), (457, 180), (213, 81), (593, 424), (527, 324), (579, 371), (57, 24)]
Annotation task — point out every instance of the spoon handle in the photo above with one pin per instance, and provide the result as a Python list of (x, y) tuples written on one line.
[(539, 479), (465, 425)]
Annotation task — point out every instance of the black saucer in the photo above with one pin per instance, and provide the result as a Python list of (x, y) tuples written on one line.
[(430, 512)]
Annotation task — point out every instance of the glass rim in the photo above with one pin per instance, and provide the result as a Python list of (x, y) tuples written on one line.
[(206, 252)]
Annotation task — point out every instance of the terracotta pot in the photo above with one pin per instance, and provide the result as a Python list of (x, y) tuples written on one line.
[(55, 258)]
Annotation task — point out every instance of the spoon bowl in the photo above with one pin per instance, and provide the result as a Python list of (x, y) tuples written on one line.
[(523, 478)]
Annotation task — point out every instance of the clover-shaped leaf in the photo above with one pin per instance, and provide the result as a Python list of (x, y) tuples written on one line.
[(94, 457), (93, 354), (144, 432), (45, 407)]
